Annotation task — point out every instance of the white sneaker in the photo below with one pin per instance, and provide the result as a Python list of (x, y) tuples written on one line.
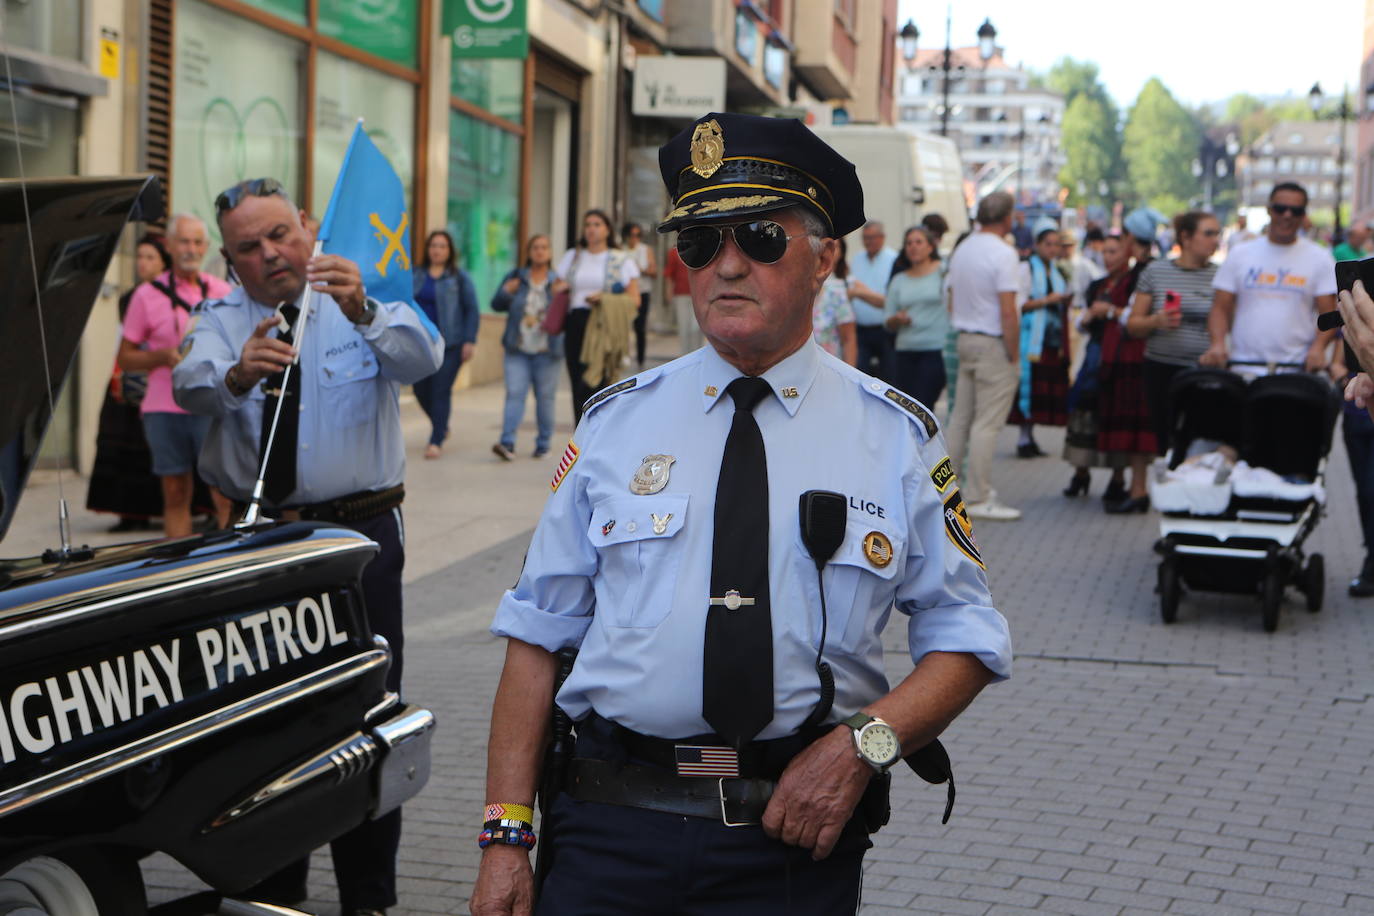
[(993, 510)]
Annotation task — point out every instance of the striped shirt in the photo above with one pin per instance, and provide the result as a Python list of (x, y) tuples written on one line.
[(1183, 345)]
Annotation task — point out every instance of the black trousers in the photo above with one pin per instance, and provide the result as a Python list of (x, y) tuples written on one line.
[(365, 857), (875, 350), (574, 330), (1157, 377), (641, 328), (613, 860)]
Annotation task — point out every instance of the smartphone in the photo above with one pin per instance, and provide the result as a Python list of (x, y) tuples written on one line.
[(1173, 302), (1347, 272)]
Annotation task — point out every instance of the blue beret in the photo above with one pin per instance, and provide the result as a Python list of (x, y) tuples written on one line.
[(730, 165)]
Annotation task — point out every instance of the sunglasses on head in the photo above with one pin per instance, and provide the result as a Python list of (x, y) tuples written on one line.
[(1286, 209), (761, 240), (231, 197)]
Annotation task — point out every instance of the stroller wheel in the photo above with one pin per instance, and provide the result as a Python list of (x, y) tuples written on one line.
[(1170, 589), (1314, 582), (1271, 596)]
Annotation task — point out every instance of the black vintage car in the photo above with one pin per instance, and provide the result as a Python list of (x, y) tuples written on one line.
[(217, 698)]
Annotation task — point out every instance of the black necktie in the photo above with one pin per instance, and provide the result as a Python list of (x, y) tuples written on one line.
[(280, 478), (737, 673)]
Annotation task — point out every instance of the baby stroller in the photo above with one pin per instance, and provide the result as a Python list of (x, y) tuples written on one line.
[(1243, 486)]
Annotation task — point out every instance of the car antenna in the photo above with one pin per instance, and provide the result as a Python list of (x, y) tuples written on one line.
[(252, 516), (65, 552)]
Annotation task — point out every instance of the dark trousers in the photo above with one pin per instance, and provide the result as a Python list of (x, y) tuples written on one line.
[(875, 350), (1158, 377), (365, 857), (641, 328), (435, 394), (1358, 430), (921, 374), (574, 330), (614, 860)]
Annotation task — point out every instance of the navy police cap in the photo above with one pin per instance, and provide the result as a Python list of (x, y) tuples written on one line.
[(730, 165)]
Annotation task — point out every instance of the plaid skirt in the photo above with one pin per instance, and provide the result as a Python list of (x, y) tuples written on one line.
[(1049, 379), (1123, 414)]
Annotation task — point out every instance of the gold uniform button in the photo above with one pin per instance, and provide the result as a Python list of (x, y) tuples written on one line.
[(877, 549)]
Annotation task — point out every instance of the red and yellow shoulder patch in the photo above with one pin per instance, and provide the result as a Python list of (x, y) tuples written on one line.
[(565, 465)]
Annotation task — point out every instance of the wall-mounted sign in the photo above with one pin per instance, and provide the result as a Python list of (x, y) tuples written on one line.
[(487, 28), (678, 87)]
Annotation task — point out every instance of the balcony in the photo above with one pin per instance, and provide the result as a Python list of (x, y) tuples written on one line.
[(826, 48), (755, 55)]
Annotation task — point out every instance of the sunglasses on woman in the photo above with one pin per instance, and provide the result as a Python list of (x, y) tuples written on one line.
[(762, 240)]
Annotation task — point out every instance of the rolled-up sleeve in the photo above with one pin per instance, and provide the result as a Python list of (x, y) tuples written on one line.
[(198, 380), (552, 604), (405, 349), (945, 589)]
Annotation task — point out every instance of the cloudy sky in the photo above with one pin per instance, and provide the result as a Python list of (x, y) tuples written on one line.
[(1203, 50)]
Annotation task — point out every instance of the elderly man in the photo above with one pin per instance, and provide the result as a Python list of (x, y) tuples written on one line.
[(1355, 246), (337, 454), (158, 316), (870, 270), (732, 749)]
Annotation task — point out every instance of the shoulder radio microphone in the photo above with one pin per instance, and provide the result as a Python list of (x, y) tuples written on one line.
[(823, 516)]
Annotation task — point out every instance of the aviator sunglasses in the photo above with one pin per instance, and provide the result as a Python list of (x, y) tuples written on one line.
[(1285, 209), (231, 197), (762, 240)]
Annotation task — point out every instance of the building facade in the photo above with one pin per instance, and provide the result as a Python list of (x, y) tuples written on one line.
[(1007, 131), (1362, 203), (1308, 153)]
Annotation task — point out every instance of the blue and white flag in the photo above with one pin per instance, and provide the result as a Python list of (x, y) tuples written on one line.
[(367, 222)]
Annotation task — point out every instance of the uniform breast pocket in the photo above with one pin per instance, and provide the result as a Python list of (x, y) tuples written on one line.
[(860, 578), (639, 552), (347, 379)]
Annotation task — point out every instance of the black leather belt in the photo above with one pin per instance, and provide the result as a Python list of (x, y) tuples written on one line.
[(346, 510), (735, 801)]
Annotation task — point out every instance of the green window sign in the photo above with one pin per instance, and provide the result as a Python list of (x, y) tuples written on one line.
[(387, 28), (487, 28)]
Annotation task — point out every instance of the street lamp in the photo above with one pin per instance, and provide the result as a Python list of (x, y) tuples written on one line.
[(1315, 99), (987, 37), (1214, 160)]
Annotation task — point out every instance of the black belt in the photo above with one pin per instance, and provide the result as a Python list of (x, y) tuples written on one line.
[(980, 333), (758, 759), (735, 801), (346, 510)]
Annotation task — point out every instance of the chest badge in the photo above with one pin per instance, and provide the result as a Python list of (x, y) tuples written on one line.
[(877, 549), (652, 475)]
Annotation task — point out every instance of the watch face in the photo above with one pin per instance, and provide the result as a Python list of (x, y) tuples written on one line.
[(878, 743)]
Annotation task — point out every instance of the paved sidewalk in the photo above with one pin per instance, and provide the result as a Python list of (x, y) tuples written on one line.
[(1129, 767)]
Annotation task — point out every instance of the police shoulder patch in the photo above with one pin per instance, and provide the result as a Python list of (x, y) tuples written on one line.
[(909, 404), (960, 530), (942, 475)]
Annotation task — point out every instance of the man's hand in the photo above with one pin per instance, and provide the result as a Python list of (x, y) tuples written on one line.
[(1316, 359), (339, 277), (1357, 309), (1216, 357), (263, 355), (467, 351), (817, 793), (505, 883)]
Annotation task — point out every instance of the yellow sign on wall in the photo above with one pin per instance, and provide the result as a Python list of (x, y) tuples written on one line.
[(109, 54)]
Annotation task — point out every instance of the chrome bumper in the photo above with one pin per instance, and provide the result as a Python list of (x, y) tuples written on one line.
[(404, 770)]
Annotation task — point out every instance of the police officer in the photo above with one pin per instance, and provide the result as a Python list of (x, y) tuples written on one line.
[(338, 455), (710, 774)]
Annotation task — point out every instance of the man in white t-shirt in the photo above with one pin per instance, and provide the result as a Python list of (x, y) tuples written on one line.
[(982, 282), (1270, 291)]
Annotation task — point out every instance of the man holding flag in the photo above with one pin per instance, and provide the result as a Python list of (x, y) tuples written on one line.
[(337, 453)]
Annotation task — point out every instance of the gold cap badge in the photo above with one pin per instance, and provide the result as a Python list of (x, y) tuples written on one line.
[(877, 549), (708, 148)]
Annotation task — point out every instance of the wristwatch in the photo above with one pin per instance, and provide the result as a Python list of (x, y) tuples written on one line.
[(875, 741), (367, 313)]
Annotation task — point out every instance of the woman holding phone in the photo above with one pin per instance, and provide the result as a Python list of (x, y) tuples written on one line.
[(1172, 301)]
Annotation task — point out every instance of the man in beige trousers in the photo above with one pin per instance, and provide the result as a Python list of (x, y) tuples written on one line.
[(982, 283)]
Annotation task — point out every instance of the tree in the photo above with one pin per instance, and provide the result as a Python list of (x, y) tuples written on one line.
[(1160, 144), (1072, 78), (1090, 142)]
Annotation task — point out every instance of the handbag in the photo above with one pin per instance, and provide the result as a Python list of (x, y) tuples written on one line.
[(557, 314)]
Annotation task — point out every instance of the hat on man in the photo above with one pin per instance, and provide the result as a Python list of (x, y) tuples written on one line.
[(731, 165)]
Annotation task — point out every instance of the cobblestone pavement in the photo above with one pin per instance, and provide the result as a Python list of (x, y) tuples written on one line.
[(1129, 767)]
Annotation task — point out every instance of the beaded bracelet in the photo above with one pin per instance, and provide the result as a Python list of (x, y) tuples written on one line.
[(504, 810), (507, 833)]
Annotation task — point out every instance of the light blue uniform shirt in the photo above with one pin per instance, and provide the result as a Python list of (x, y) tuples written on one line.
[(349, 436), (873, 273), (601, 575)]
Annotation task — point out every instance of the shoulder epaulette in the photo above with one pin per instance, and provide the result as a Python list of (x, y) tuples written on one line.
[(909, 404), (608, 392)]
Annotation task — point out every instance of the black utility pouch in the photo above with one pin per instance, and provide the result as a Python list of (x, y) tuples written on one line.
[(874, 806), (931, 763)]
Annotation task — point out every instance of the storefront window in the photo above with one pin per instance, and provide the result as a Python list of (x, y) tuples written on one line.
[(387, 28), (483, 200), (346, 91), (495, 84), (50, 26), (290, 10), (239, 112), (48, 134)]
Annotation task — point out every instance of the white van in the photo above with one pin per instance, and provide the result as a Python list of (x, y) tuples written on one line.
[(905, 175)]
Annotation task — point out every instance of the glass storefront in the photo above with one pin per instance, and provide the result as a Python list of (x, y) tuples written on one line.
[(52, 27), (239, 108), (493, 84), (387, 28), (291, 10), (344, 92), (483, 200)]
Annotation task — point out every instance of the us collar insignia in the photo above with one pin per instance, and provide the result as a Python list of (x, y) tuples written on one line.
[(708, 148), (652, 475)]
